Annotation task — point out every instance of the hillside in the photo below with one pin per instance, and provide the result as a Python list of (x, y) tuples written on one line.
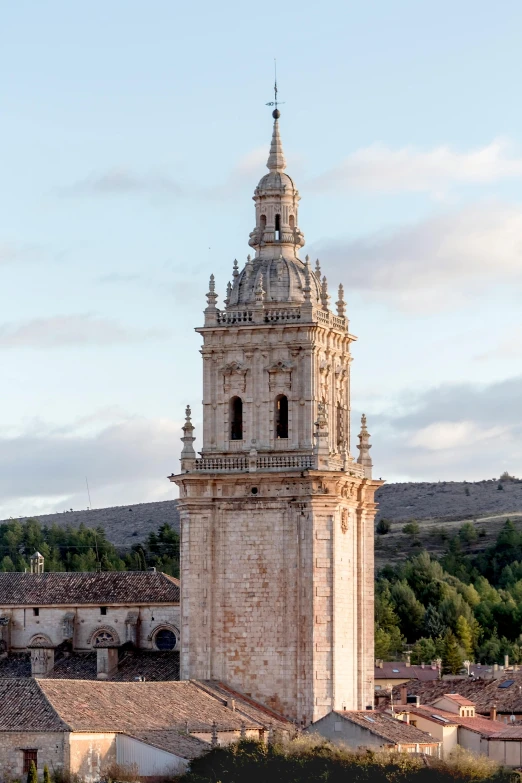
[(440, 508)]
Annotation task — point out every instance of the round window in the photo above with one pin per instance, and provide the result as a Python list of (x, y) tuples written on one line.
[(165, 640)]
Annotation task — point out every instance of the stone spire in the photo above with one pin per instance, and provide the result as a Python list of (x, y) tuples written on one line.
[(364, 447), (188, 455), (341, 304), (276, 160), (211, 310), (325, 296), (321, 448)]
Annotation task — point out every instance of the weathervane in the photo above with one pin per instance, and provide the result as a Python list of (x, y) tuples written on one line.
[(276, 113)]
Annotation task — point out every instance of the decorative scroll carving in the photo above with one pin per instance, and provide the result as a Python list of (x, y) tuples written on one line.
[(280, 376), (105, 636), (234, 377), (344, 520)]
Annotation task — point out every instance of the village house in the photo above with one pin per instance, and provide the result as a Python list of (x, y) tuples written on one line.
[(452, 719), (84, 727), (387, 674), (89, 624), (377, 730)]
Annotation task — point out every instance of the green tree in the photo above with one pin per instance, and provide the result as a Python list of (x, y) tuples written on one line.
[(411, 528), (424, 651), (434, 625), (467, 533), (32, 775), (46, 775), (383, 527), (409, 610), (452, 658), (465, 636)]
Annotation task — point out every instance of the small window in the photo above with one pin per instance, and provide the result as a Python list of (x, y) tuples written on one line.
[(262, 222), (236, 418), (281, 416), (103, 610), (36, 612), (29, 755), (277, 227), (165, 639)]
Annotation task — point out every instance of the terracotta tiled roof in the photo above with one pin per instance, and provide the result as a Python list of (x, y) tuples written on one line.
[(15, 665), (388, 728), (393, 670), (483, 693), (244, 705), (479, 724), (458, 699), (73, 589), (430, 713), (132, 707), (183, 745), (153, 665), (23, 707)]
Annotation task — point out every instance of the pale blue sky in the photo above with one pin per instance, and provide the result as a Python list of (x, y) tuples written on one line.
[(133, 135)]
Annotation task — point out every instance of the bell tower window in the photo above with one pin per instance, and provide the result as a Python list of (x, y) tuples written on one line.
[(262, 222), (281, 416), (291, 221), (277, 228), (236, 418)]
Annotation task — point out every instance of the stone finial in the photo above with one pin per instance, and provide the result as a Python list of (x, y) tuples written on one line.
[(249, 267), (188, 455), (307, 290), (276, 160), (229, 294), (317, 268), (364, 447), (325, 297), (341, 304), (235, 270), (211, 295), (321, 446)]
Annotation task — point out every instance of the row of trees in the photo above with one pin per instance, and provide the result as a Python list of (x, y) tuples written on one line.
[(84, 549), (461, 606)]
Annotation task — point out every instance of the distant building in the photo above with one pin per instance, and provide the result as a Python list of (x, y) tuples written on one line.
[(377, 730), (49, 616), (387, 674)]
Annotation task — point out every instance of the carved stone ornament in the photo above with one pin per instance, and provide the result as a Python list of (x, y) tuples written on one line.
[(40, 640), (344, 520), (280, 375), (106, 636), (234, 377)]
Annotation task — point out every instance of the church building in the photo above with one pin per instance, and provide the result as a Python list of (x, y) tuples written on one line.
[(277, 516)]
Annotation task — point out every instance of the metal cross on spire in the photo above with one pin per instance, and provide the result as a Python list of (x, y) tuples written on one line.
[(276, 113)]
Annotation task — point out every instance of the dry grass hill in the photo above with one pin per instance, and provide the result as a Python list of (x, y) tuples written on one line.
[(440, 508)]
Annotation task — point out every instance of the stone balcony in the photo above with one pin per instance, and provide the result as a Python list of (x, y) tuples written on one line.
[(266, 314)]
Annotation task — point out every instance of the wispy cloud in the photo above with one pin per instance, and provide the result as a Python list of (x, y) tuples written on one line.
[(382, 168), (66, 330), (435, 262), (452, 432), (12, 252), (122, 181)]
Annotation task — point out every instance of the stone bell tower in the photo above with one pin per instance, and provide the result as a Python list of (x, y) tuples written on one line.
[(276, 514)]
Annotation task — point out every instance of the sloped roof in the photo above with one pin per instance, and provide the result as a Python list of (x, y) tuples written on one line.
[(130, 707), (23, 707), (388, 728), (394, 670), (483, 693), (458, 699), (74, 588), (183, 745), (479, 724), (244, 705)]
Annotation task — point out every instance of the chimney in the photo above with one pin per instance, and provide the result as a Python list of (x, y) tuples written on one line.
[(408, 659), (506, 661), (493, 712), (404, 694), (422, 666), (231, 704), (407, 718)]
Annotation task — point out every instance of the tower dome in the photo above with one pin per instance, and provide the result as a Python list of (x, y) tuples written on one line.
[(276, 239)]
